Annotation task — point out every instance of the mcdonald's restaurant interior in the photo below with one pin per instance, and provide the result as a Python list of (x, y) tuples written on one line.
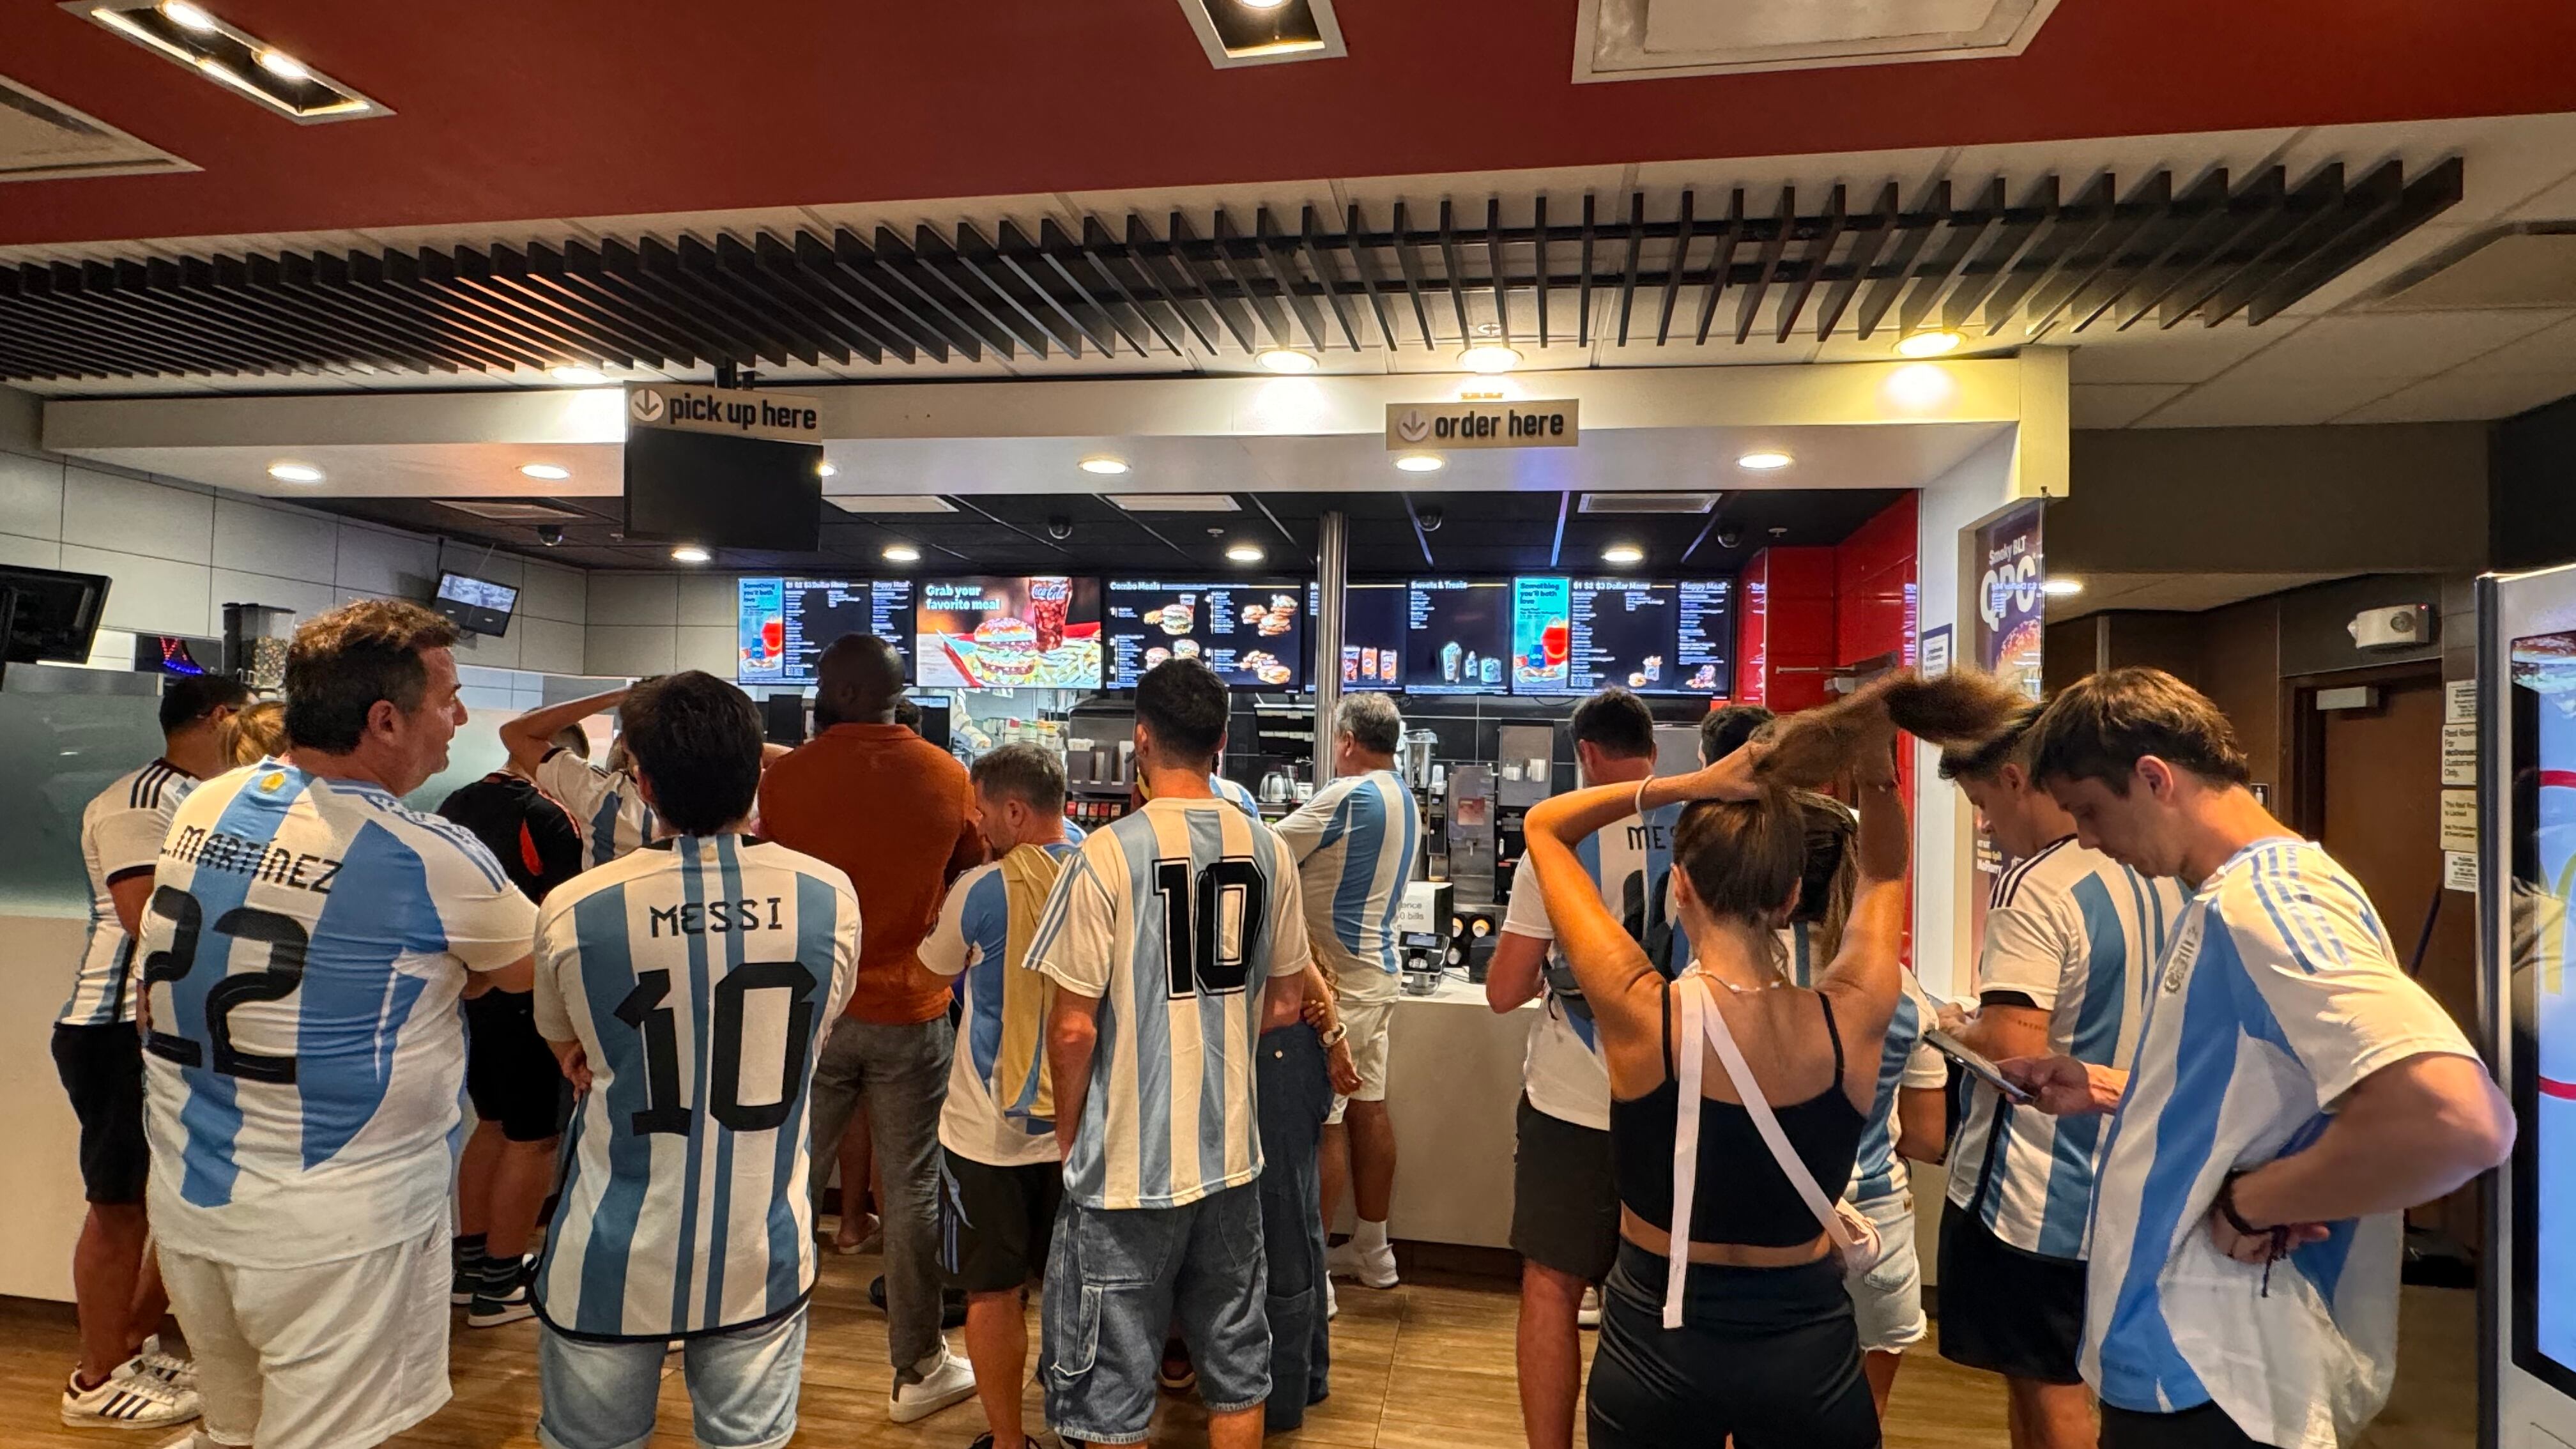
[(1481, 356)]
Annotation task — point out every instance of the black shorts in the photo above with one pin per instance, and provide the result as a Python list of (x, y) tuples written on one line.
[(102, 1070), (2004, 1310), (510, 1072), (994, 1222), (1565, 1201), (2206, 1427)]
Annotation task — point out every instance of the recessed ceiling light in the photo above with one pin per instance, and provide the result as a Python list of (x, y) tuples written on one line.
[(283, 66), (295, 472), (1930, 344), (1286, 359), (826, 468), (1623, 553), (1244, 553), (902, 553), (690, 553), (577, 376), (1764, 461), (183, 13), (1104, 465), (1490, 358), (1260, 4), (1421, 462), (2062, 587), (551, 472)]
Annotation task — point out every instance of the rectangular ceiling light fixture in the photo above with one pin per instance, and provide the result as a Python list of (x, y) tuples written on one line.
[(511, 510), (1264, 32), (1649, 502), (1176, 502), (186, 33), (889, 503)]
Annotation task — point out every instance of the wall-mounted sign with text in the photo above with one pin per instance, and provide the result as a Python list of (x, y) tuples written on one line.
[(778, 417), (1547, 423)]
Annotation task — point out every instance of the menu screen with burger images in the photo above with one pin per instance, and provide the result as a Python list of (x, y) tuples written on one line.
[(1704, 636), (1455, 636), (784, 625), (1252, 635), (1573, 636), (1033, 633)]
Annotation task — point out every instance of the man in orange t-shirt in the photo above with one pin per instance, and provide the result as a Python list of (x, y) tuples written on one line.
[(897, 814)]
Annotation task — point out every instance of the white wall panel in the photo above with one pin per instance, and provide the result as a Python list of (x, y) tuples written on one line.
[(634, 599), (391, 565), (276, 542), (708, 599), (233, 586), (31, 496), (705, 646), (549, 645), (101, 510), (147, 595), (549, 591), (631, 649), (30, 553)]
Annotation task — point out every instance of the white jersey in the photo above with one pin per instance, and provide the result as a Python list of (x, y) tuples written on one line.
[(1355, 843), (2077, 933), (1175, 917), (121, 832), (972, 942), (1235, 795), (305, 948), (2279, 992), (1903, 1061), (604, 805), (700, 977), (1630, 859)]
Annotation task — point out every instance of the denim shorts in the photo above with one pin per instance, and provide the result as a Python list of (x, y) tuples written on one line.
[(1118, 1279), (742, 1387), (1887, 1301)]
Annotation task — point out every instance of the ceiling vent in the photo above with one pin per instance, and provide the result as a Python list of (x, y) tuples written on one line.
[(870, 503), (510, 510), (2515, 267), (1650, 39), (41, 139), (1264, 32), (1649, 502), (1176, 502)]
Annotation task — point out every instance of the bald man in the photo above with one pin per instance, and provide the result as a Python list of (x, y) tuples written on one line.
[(896, 814)]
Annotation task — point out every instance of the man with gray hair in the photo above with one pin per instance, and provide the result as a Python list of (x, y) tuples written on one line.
[(1355, 844)]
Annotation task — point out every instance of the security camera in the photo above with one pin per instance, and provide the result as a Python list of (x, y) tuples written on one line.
[(1432, 518), (1059, 528), (550, 534), (1729, 537)]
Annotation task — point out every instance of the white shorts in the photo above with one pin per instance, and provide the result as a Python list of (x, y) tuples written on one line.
[(1887, 1301), (1368, 1021), (337, 1355)]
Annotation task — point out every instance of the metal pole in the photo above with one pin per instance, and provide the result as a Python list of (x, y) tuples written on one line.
[(1332, 572)]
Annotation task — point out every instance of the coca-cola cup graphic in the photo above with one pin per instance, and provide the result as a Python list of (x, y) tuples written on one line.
[(1047, 600)]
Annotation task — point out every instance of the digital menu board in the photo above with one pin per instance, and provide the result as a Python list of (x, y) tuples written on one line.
[(996, 633), (1372, 635), (1252, 635), (1704, 636), (783, 625), (1456, 633), (1573, 636)]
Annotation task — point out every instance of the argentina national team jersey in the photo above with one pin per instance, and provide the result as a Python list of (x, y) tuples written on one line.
[(1878, 1172), (1175, 918), (604, 804), (2279, 992), (121, 833), (1354, 844), (991, 1083), (302, 951), (699, 977), (1235, 795), (2078, 934)]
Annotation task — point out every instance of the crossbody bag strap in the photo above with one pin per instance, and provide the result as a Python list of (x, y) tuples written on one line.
[(1759, 1109), (1686, 994)]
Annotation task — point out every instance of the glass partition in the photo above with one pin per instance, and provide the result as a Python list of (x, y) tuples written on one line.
[(57, 750)]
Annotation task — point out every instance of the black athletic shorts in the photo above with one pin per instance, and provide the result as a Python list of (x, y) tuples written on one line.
[(994, 1222), (102, 1069), (2004, 1310), (1565, 1200), (510, 1072), (2206, 1427)]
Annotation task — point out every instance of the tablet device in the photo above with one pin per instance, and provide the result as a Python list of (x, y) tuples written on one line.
[(1974, 1064)]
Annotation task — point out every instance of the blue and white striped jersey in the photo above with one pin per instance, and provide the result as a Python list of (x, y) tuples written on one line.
[(1236, 795), (121, 832), (1878, 1172), (1355, 843), (2279, 992), (1175, 917), (304, 950), (972, 942), (2079, 934), (604, 804), (700, 977)]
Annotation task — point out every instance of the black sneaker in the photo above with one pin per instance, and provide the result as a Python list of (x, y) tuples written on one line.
[(491, 1310), (985, 1441)]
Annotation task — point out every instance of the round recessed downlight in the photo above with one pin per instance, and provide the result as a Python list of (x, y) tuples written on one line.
[(1244, 553), (1623, 553), (901, 553), (1287, 360), (690, 553), (827, 468), (1490, 358), (2062, 587), (283, 66), (551, 472), (577, 376), (1421, 462), (1105, 466), (295, 472), (1765, 461), (1930, 344), (184, 14)]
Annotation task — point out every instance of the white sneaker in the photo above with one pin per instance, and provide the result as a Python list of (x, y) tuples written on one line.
[(128, 1399), (1332, 1305), (1589, 1314), (1373, 1270), (943, 1379), (170, 1368)]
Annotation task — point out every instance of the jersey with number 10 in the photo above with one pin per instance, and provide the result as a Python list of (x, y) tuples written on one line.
[(699, 975), (1175, 918)]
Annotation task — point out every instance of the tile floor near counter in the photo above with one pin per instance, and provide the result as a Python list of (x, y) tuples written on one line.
[(1425, 1366)]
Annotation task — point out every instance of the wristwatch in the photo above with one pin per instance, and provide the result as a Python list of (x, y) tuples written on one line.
[(1333, 1034)]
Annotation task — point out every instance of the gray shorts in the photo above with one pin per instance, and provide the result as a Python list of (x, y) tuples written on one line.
[(1565, 1199), (1117, 1280)]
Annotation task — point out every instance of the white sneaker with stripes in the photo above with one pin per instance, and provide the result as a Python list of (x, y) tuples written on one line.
[(127, 1399), (169, 1368)]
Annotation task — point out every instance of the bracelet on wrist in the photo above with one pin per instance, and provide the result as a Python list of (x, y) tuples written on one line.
[(2226, 1205)]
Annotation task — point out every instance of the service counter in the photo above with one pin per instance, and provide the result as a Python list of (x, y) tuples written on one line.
[(1453, 1083)]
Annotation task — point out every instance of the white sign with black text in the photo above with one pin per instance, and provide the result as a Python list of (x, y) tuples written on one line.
[(777, 416), (1546, 423)]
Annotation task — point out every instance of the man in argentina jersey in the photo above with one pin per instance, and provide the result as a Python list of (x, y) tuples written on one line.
[(1565, 1207), (2071, 940), (687, 987), (1355, 843), (611, 813), (123, 1380), (2292, 1093), (1234, 794), (1175, 934), (307, 941)]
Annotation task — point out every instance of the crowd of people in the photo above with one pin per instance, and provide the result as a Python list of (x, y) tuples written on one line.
[(1136, 1073)]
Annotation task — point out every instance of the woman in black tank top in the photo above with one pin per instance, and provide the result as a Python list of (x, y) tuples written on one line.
[(1766, 1351)]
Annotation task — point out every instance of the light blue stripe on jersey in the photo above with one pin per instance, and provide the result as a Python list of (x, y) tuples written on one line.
[(729, 875), (1149, 1037), (379, 908), (1207, 842), (603, 829), (607, 974), (818, 917), (212, 1114), (986, 919), (1875, 1173), (1233, 793), (693, 895)]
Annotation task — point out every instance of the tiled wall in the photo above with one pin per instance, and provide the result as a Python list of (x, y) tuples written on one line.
[(656, 623)]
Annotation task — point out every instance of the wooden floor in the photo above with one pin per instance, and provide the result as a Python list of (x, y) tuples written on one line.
[(1427, 1365)]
